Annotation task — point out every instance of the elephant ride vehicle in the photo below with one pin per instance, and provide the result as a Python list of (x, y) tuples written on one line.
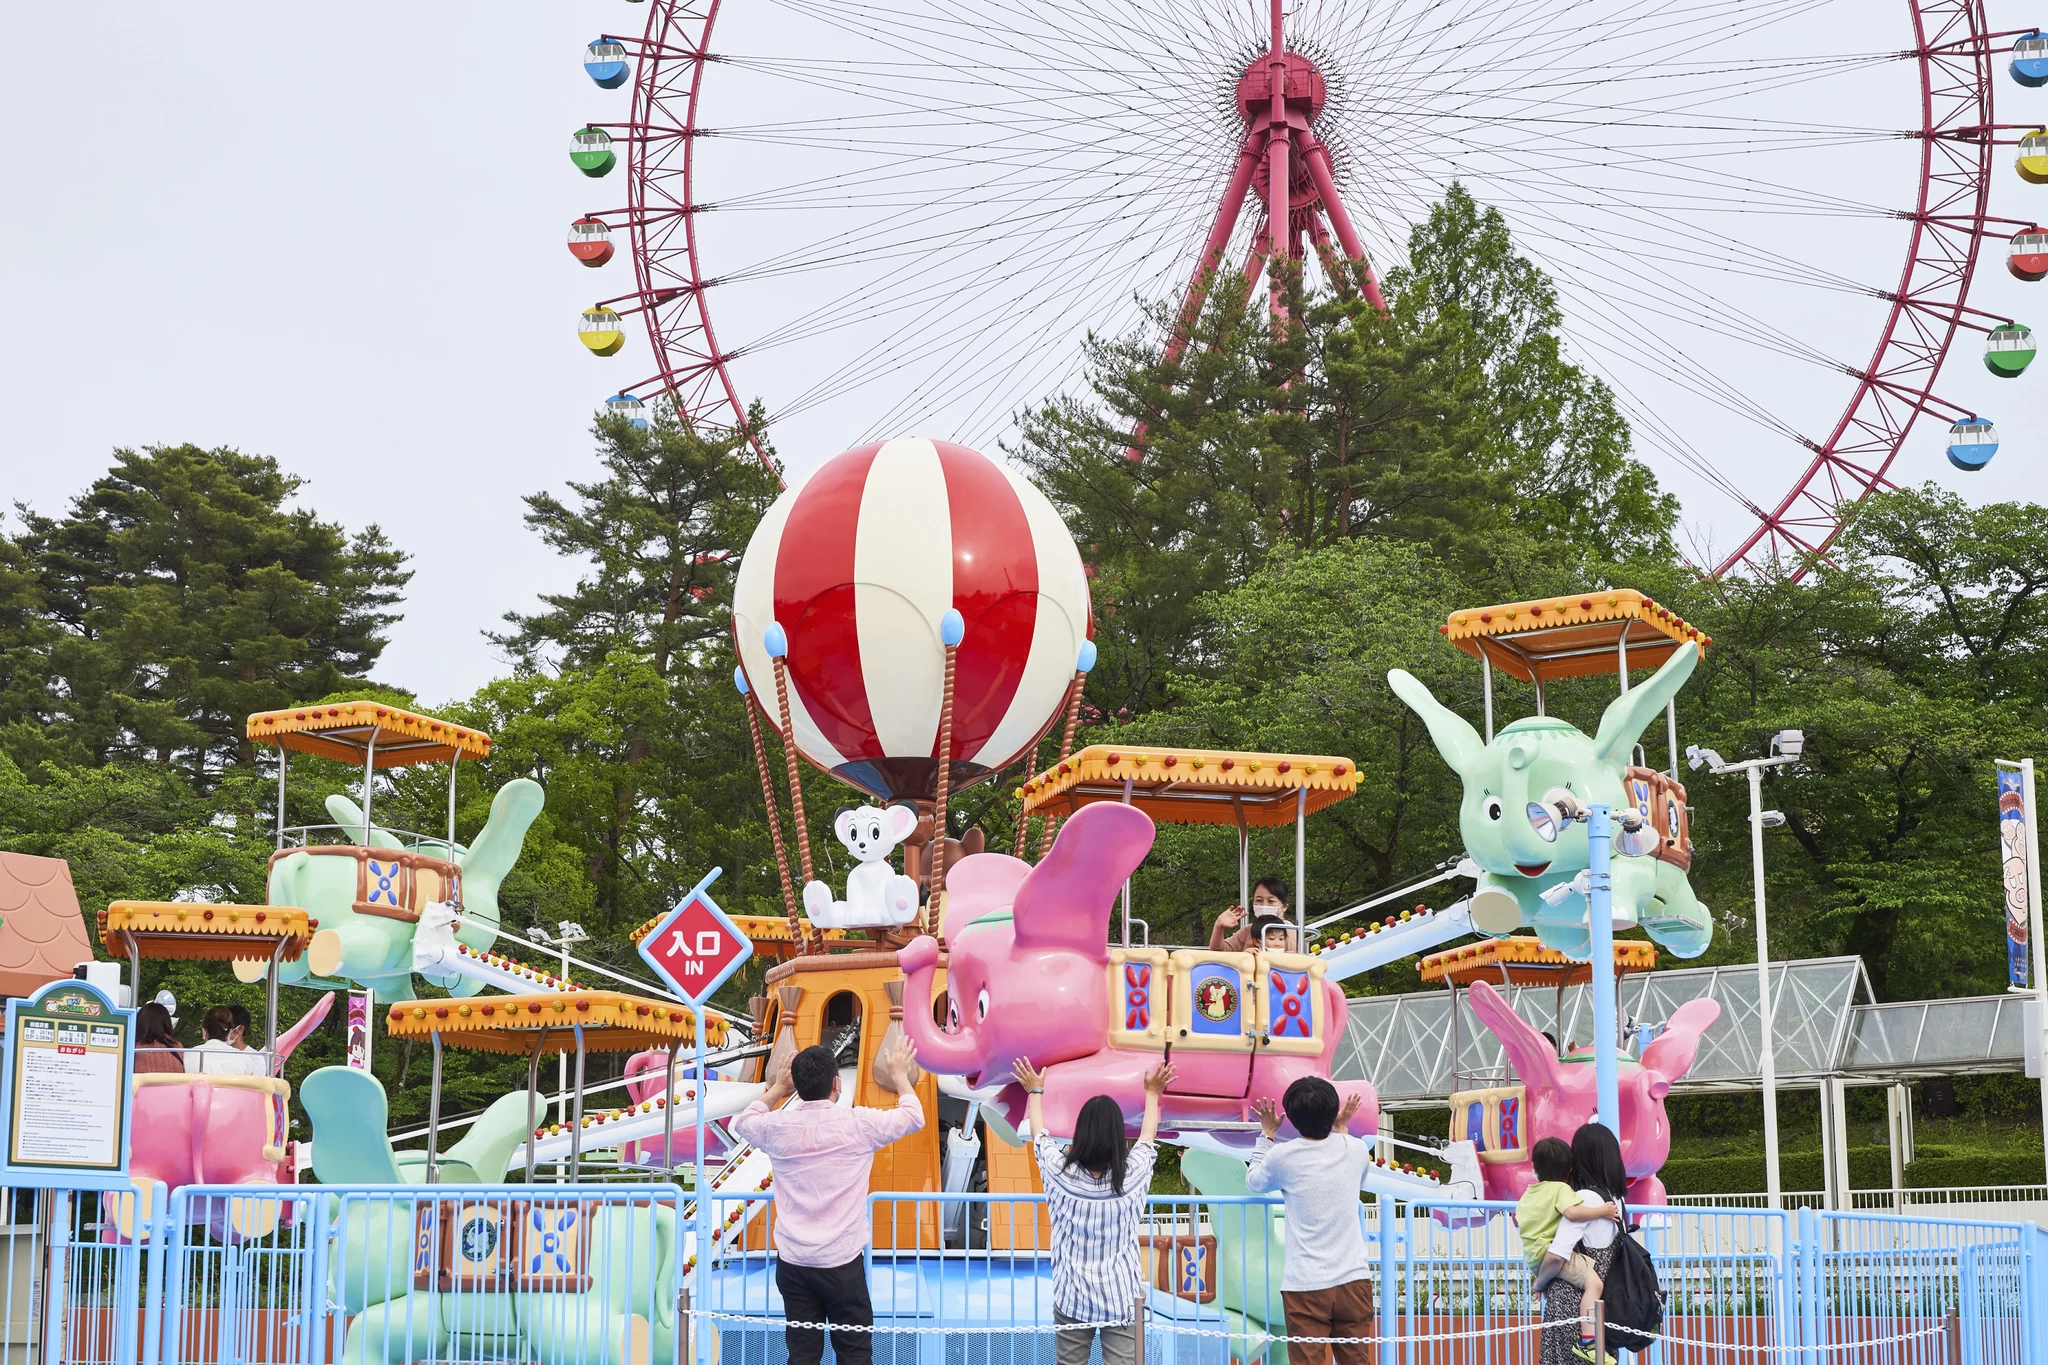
[(392, 902)]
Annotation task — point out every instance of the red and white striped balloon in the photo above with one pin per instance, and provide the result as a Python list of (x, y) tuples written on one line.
[(859, 561)]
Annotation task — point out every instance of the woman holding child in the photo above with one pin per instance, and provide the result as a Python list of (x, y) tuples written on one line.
[(1580, 1254)]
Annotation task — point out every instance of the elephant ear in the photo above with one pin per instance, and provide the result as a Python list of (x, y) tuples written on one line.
[(1065, 902), (1528, 1051), (1631, 713), (349, 1115), (1671, 1053), (349, 815), (1455, 738), (496, 847), (978, 884)]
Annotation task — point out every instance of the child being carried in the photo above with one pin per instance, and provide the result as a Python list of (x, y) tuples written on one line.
[(1543, 1207)]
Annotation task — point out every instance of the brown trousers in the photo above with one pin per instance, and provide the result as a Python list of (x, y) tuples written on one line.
[(1343, 1310)]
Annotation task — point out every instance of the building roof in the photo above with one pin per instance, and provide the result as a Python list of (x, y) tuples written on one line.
[(42, 933)]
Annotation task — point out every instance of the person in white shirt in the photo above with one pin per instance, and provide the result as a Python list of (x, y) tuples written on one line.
[(1324, 1287), (218, 1055)]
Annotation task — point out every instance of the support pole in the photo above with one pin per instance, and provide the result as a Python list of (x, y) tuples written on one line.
[(1300, 841), (952, 629), (1671, 735), (1621, 649), (532, 1101), (1317, 158), (576, 1125), (702, 1204), (1279, 165), (283, 762), (789, 903), (668, 1117), (369, 772), (1486, 685), (454, 760), (434, 1115), (778, 649), (1600, 915), (1766, 1051), (2040, 951)]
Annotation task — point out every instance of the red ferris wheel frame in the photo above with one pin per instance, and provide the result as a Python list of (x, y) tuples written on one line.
[(1953, 45)]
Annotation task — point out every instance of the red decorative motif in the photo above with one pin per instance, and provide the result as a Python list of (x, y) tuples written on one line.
[(1137, 996)]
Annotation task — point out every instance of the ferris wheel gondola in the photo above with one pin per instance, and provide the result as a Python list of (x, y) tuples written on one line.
[(1972, 442)]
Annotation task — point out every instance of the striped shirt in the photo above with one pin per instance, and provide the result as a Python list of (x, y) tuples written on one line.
[(1095, 1271)]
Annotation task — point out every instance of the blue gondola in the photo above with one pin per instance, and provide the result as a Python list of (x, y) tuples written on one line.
[(2030, 59), (627, 406), (605, 60), (1972, 442)]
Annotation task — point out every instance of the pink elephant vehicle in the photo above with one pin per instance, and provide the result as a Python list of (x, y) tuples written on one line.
[(200, 1129), (1030, 975), (1556, 1096)]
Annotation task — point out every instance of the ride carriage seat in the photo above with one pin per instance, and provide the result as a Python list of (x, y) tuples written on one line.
[(391, 883), (1203, 1001)]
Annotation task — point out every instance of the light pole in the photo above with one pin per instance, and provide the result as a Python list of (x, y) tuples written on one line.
[(567, 931), (1786, 746)]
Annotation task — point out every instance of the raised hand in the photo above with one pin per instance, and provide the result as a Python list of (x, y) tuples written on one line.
[(1232, 917), (1158, 1078), (1027, 1076), (1268, 1115), (1351, 1105)]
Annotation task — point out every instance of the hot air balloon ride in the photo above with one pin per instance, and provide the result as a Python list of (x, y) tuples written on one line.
[(2033, 158), (590, 241), (1971, 443), (2026, 256), (601, 330), (605, 61), (859, 566), (2009, 349), (627, 406), (2030, 59), (591, 150)]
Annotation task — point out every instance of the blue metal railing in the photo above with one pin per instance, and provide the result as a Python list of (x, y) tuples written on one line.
[(591, 1275)]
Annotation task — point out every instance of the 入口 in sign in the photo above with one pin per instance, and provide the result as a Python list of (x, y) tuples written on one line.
[(696, 947)]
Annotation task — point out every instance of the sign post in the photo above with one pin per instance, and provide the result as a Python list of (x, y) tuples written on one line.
[(695, 948), (65, 1085)]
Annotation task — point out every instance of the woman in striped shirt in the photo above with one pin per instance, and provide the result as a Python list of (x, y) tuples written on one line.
[(1097, 1191)]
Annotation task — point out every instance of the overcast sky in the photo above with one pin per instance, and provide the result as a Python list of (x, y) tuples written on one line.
[(334, 236)]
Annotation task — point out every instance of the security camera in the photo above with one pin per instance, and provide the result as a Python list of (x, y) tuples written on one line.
[(537, 935), (1770, 819), (569, 931), (1788, 743), (1697, 758)]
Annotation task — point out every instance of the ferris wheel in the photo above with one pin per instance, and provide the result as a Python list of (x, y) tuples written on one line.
[(1763, 221)]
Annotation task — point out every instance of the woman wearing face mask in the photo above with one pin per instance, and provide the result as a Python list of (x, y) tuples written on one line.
[(1271, 926)]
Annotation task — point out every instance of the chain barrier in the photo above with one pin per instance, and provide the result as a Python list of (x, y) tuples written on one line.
[(1175, 1326)]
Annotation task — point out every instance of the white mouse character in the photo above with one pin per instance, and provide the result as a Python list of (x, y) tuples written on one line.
[(877, 895)]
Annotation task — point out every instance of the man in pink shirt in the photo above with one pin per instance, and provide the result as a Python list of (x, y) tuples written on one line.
[(823, 1153)]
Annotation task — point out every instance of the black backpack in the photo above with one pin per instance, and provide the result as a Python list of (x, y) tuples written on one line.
[(1633, 1297)]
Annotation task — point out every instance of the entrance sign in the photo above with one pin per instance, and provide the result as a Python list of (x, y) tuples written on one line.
[(697, 946), (65, 1084)]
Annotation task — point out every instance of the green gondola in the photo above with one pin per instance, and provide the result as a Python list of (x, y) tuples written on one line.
[(2009, 349), (591, 150)]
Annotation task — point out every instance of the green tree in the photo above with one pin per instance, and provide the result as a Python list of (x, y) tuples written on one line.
[(1551, 427), (180, 594), (661, 532)]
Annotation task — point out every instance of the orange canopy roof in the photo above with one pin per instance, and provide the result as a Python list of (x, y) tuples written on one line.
[(211, 933), (1572, 635), (343, 730), (1178, 786), (768, 933), (612, 1022), (1526, 962)]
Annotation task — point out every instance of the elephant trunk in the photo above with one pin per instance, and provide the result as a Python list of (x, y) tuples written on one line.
[(949, 1053)]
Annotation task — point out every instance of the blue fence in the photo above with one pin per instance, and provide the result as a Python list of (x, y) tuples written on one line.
[(609, 1275)]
